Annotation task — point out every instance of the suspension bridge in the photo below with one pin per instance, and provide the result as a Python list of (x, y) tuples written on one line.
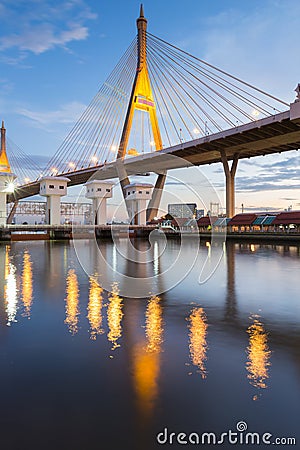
[(161, 102)]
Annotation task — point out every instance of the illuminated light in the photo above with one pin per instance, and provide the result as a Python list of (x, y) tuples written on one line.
[(258, 354), (72, 302), (113, 148), (114, 317), (94, 159), (152, 143), (10, 293), (72, 165), (54, 170), (154, 325), (95, 309), (27, 180), (27, 284), (198, 342), (196, 131), (255, 113), (252, 248), (10, 187)]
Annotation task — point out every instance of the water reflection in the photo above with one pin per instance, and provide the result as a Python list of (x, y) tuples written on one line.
[(231, 310), (146, 362), (72, 302), (10, 291), (27, 284), (198, 342), (114, 316), (258, 354), (155, 258), (95, 309), (154, 325)]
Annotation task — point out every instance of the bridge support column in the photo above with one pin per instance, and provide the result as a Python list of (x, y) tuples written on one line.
[(6, 187), (230, 185), (154, 203), (53, 188), (137, 195), (99, 192), (122, 174)]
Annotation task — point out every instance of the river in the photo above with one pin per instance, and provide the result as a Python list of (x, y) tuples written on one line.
[(92, 366)]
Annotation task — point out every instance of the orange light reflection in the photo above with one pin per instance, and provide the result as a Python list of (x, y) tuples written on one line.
[(27, 284), (114, 316), (95, 309), (258, 354), (72, 302), (198, 343)]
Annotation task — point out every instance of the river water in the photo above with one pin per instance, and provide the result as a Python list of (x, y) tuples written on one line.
[(89, 368)]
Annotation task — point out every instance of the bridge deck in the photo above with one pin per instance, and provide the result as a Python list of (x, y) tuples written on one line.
[(273, 134)]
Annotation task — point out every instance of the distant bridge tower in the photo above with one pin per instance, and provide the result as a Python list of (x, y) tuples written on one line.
[(6, 177), (141, 98), (53, 188)]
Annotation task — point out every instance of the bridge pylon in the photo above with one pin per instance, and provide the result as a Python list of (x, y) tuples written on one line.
[(6, 177), (142, 99)]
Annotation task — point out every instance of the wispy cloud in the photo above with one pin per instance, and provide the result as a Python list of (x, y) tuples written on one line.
[(42, 26), (42, 38), (67, 114), (255, 42)]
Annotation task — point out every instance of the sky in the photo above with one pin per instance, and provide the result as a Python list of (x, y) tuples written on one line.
[(55, 55)]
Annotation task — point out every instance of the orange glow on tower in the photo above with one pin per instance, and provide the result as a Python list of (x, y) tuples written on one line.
[(4, 164), (141, 95)]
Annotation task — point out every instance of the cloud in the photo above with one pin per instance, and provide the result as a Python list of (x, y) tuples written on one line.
[(262, 208), (43, 38), (48, 38), (255, 42), (43, 26), (67, 114), (269, 182)]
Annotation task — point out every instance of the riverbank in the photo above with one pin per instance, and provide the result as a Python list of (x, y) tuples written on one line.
[(68, 232)]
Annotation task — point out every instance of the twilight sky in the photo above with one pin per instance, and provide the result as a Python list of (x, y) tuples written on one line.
[(54, 56)]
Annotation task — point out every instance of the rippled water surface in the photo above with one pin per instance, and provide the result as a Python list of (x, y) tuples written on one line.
[(84, 368)]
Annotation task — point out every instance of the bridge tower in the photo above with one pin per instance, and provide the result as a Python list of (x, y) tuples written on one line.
[(141, 98), (6, 177), (53, 188), (99, 191)]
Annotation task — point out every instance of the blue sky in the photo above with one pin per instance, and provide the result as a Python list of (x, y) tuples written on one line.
[(54, 56)]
